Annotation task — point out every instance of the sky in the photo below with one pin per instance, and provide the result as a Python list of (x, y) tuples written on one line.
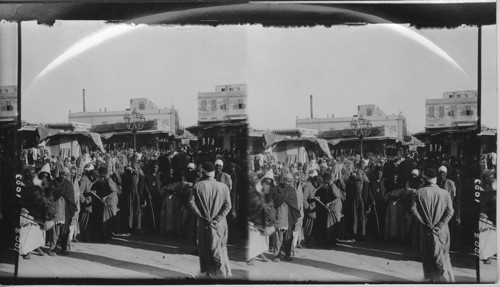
[(392, 66)]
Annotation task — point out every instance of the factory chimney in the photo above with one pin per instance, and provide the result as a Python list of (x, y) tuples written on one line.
[(311, 104), (84, 100)]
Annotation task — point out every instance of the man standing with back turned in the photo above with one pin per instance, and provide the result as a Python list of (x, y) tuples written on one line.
[(211, 202), (433, 208)]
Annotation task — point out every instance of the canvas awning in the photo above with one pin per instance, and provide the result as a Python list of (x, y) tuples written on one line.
[(321, 144), (129, 133), (215, 125), (93, 139), (271, 138), (367, 139)]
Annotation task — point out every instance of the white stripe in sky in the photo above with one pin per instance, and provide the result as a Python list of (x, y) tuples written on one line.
[(116, 30)]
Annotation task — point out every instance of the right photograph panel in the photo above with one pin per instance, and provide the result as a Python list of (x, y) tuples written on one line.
[(372, 154)]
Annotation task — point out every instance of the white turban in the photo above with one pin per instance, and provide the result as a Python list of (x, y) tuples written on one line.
[(269, 174), (443, 169), (138, 156), (313, 173), (219, 162)]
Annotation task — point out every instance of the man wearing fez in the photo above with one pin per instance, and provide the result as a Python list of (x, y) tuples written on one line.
[(211, 202), (64, 196), (285, 201), (433, 208)]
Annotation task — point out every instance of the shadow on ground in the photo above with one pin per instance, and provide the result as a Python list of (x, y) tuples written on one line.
[(364, 275), (137, 267), (399, 252), (174, 246)]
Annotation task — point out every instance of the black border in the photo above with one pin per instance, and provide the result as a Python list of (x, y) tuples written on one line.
[(219, 12)]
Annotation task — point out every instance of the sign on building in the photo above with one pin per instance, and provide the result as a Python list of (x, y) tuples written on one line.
[(8, 103)]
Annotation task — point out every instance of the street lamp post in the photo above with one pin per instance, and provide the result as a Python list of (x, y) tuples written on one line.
[(361, 128), (134, 122)]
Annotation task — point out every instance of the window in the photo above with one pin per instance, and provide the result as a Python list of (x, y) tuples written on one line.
[(468, 110), (369, 112), (451, 96), (240, 105), (142, 106), (459, 96), (214, 105), (223, 89), (225, 104), (431, 112), (230, 89), (203, 105), (453, 111), (441, 111), (9, 106)]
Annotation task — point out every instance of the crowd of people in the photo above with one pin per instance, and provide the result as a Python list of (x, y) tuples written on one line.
[(207, 197), (352, 198), (125, 192)]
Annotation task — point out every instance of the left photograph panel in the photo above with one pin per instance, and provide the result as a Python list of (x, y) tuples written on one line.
[(123, 151)]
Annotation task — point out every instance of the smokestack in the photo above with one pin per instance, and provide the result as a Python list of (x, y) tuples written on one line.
[(84, 100), (311, 104)]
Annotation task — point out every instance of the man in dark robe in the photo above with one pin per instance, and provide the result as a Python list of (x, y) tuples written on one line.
[(358, 188), (449, 185), (86, 201), (433, 208), (211, 202), (153, 186), (179, 163), (414, 183), (105, 209), (378, 207), (309, 205), (139, 195), (284, 197), (225, 178), (165, 165), (62, 189)]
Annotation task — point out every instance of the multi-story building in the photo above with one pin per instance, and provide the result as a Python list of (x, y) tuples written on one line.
[(167, 117), (377, 117), (222, 117), (8, 103), (455, 109), (451, 124), (228, 102)]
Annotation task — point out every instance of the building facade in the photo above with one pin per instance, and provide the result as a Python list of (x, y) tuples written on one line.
[(378, 118), (455, 109), (222, 118), (228, 102), (167, 117), (8, 103)]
